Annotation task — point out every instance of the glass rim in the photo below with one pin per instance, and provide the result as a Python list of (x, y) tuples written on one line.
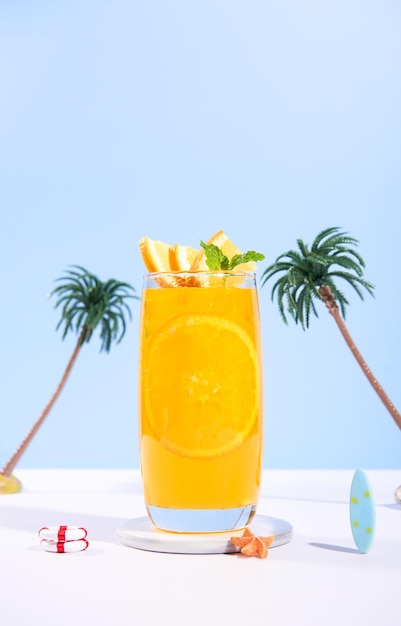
[(201, 273)]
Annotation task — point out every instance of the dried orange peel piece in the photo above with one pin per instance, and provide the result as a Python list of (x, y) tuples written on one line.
[(159, 256), (181, 257), (228, 248), (252, 545), (155, 254)]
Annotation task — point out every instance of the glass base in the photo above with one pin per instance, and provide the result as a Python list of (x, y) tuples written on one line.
[(141, 534), (201, 520)]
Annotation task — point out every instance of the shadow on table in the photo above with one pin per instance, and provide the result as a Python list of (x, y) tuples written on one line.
[(99, 527), (302, 499), (329, 546), (323, 501)]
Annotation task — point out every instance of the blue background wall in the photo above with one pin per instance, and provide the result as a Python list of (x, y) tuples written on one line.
[(270, 119)]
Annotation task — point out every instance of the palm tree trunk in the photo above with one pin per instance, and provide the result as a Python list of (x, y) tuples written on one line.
[(10, 465), (329, 300)]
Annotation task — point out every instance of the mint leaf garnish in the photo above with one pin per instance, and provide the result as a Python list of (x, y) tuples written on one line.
[(251, 255), (216, 260)]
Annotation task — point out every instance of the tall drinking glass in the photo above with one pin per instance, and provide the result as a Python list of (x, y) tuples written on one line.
[(200, 390)]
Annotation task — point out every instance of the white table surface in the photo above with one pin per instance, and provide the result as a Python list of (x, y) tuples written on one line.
[(319, 578)]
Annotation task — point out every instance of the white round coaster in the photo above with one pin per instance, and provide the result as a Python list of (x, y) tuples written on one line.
[(140, 533)]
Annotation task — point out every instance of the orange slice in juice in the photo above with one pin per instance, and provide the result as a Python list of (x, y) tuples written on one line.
[(208, 406), (221, 240)]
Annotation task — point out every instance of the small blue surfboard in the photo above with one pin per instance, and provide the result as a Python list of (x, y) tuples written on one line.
[(362, 512)]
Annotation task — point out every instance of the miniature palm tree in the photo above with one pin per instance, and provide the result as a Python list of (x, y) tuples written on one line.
[(310, 274), (87, 303)]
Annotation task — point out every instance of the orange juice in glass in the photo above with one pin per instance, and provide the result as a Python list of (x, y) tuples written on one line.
[(201, 403)]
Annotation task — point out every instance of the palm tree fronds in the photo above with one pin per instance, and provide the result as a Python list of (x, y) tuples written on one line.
[(347, 262), (303, 248), (86, 302), (354, 281), (308, 275), (306, 270), (330, 239)]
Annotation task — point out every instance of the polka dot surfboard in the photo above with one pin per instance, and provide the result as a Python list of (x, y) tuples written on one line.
[(362, 512)]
